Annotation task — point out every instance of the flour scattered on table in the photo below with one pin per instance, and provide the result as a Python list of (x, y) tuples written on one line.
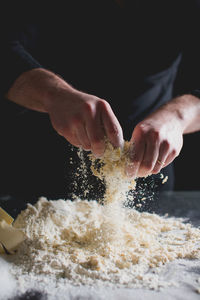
[(83, 243), (7, 282)]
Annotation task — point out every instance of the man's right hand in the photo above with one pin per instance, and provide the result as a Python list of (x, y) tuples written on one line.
[(84, 120)]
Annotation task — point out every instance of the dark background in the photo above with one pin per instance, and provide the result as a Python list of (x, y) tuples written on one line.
[(188, 162)]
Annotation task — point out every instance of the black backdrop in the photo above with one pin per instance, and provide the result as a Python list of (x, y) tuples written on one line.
[(188, 162)]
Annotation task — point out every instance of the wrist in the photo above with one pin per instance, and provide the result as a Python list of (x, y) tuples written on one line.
[(55, 91), (185, 109), (195, 93)]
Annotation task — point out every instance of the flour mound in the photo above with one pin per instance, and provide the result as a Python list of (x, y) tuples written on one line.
[(84, 242)]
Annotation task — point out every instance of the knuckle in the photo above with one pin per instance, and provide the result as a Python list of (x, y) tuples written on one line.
[(174, 152), (104, 104), (154, 134), (166, 144), (88, 108), (148, 131), (141, 128)]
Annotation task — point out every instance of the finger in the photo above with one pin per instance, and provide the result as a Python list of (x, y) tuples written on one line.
[(160, 164), (137, 150), (150, 157), (74, 141), (82, 137), (96, 135), (111, 125), (170, 158), (161, 161), (71, 137)]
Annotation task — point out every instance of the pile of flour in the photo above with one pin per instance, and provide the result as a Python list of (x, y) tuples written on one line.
[(84, 243)]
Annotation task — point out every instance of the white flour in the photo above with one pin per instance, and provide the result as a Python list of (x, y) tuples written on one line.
[(112, 172), (7, 283), (83, 242)]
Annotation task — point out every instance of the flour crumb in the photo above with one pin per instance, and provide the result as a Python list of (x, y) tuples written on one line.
[(165, 179), (111, 169)]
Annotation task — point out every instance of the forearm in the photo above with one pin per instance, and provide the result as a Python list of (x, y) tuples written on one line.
[(33, 89), (186, 109)]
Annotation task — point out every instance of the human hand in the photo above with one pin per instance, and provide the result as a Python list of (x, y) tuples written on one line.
[(84, 120), (156, 141)]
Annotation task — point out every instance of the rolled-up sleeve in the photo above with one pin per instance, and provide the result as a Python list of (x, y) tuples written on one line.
[(15, 61), (16, 55)]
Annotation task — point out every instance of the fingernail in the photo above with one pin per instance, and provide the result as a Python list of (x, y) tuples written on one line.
[(118, 140), (121, 144), (87, 148), (98, 155), (131, 151), (131, 171)]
